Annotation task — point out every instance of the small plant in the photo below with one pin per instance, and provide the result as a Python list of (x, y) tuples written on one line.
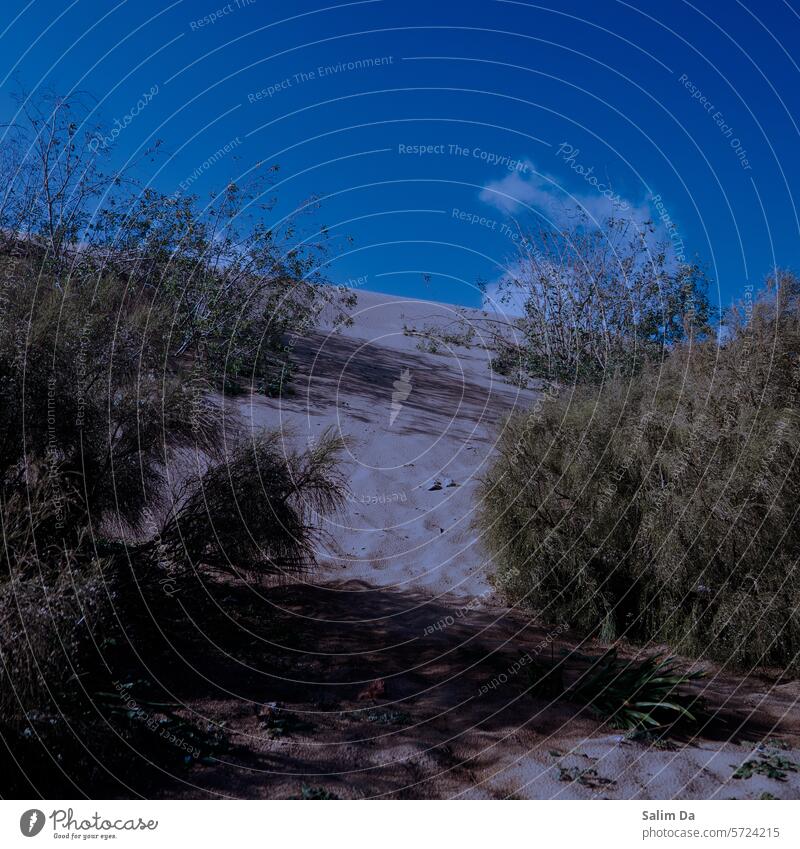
[(772, 765), (653, 740), (388, 717), (776, 743), (428, 346), (432, 339), (640, 695), (586, 777), (174, 739), (280, 723)]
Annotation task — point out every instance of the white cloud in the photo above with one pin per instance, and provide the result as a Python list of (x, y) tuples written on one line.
[(532, 190)]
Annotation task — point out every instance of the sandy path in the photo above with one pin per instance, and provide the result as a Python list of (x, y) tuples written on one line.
[(401, 598)]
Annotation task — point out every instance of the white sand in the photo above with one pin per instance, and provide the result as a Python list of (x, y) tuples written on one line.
[(395, 531)]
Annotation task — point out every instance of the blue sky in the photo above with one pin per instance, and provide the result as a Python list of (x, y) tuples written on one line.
[(520, 109)]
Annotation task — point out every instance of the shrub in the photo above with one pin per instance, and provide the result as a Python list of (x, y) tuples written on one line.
[(39, 639), (115, 324), (236, 291), (586, 301), (228, 290), (72, 688), (256, 512), (663, 507), (78, 713), (89, 400), (598, 299)]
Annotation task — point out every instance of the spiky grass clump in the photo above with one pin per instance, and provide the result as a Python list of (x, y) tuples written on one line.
[(648, 694), (68, 624), (663, 507), (258, 510)]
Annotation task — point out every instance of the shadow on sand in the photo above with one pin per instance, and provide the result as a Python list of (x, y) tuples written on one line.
[(375, 692)]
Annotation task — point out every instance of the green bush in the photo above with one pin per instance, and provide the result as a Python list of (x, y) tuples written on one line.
[(120, 487), (662, 507), (90, 400), (256, 512)]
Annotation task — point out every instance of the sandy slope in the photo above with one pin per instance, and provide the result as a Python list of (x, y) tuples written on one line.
[(395, 531), (401, 598)]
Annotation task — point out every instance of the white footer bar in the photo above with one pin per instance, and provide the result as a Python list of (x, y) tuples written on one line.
[(390, 824)]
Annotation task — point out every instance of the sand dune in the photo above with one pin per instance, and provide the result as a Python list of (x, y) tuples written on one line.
[(393, 643), (441, 424)]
